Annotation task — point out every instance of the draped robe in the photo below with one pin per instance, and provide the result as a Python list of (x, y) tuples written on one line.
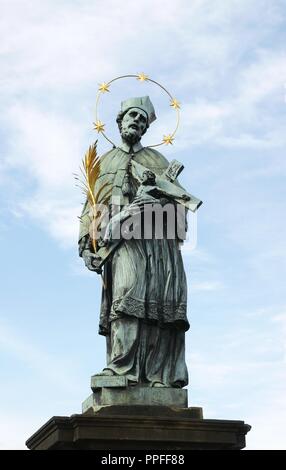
[(144, 299)]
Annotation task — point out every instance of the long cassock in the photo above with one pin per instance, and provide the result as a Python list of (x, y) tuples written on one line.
[(144, 299)]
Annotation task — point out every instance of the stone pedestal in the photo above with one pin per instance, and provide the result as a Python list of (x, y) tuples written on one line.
[(139, 427), (136, 396), (118, 416)]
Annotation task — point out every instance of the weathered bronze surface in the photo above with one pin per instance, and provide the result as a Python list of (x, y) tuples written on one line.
[(144, 298)]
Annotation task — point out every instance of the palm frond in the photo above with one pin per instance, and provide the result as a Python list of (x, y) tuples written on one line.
[(89, 173), (100, 191)]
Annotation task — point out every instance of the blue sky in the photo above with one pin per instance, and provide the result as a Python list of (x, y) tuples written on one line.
[(226, 62)]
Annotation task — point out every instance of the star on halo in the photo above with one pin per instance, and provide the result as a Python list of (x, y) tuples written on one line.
[(168, 139), (99, 126), (142, 77), (103, 87), (175, 104)]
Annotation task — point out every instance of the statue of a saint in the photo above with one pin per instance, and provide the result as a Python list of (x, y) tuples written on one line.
[(144, 296)]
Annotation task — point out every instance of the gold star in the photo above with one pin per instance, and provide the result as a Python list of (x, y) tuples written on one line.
[(103, 87), (142, 77), (175, 103), (99, 126), (168, 139)]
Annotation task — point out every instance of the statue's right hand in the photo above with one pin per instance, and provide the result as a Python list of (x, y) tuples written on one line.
[(92, 261)]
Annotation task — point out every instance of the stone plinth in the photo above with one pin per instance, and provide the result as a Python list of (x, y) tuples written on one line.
[(139, 428), (103, 381), (107, 396)]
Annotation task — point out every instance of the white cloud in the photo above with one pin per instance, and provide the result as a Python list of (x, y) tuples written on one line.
[(58, 44), (46, 145), (263, 78), (48, 148), (55, 215), (240, 120), (55, 46), (227, 66)]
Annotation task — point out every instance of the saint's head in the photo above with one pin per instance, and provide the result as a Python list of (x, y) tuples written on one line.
[(134, 118)]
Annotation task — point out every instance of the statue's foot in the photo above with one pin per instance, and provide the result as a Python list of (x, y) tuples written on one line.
[(178, 384), (106, 373), (158, 384)]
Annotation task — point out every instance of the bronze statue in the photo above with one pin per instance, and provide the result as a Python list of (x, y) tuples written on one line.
[(144, 297)]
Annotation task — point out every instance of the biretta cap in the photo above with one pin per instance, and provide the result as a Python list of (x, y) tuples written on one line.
[(142, 102)]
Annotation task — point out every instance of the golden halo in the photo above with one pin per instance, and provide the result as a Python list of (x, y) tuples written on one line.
[(99, 126)]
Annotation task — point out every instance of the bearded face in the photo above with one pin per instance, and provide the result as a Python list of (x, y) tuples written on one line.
[(133, 125)]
